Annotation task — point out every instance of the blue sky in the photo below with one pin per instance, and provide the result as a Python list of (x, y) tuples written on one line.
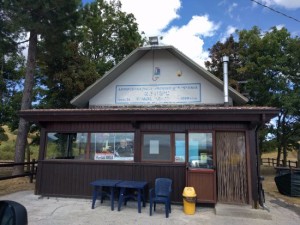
[(194, 26)]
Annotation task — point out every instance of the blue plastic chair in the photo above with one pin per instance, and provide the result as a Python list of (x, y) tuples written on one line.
[(161, 194)]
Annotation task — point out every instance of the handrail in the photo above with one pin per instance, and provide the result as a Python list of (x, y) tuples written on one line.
[(273, 162), (31, 173)]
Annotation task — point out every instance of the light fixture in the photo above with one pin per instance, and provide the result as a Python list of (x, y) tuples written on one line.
[(179, 73), (153, 40)]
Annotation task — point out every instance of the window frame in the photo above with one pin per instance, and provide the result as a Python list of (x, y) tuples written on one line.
[(213, 153), (88, 150), (172, 147)]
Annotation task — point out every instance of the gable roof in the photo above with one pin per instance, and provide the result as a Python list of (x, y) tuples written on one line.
[(83, 98)]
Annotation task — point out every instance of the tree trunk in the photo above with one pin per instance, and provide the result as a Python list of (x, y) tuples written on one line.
[(27, 155), (26, 103), (1, 88), (278, 139), (278, 155), (284, 155), (298, 156)]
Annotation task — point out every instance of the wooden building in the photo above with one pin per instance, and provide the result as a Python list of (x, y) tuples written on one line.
[(155, 114)]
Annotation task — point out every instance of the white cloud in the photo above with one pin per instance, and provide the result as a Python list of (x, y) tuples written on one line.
[(189, 38), (229, 30), (288, 4), (280, 26), (154, 18), (231, 8)]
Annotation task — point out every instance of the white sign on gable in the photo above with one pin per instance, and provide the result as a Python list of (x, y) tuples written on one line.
[(158, 94)]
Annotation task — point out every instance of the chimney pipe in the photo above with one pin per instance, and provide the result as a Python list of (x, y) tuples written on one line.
[(225, 60)]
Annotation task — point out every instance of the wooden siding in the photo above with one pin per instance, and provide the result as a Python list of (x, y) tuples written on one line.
[(88, 126), (143, 126), (72, 178), (183, 126)]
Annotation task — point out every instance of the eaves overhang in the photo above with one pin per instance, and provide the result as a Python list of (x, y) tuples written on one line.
[(178, 114)]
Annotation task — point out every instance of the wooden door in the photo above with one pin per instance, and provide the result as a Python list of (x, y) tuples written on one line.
[(201, 174), (232, 185)]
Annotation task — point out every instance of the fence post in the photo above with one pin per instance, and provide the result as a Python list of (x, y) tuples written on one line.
[(32, 170)]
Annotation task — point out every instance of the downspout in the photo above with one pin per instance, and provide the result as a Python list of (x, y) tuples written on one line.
[(259, 178)]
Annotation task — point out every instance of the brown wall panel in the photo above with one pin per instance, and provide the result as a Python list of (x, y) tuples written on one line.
[(88, 126), (72, 178), (143, 126)]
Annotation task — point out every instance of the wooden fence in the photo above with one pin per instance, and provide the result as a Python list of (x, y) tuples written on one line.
[(273, 162), (29, 170)]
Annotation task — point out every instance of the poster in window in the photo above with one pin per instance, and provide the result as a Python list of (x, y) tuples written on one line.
[(203, 158), (154, 147)]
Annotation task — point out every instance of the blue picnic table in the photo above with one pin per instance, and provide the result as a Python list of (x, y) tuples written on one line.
[(100, 192), (126, 188)]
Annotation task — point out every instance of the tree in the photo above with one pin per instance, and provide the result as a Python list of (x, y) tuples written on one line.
[(65, 76), (273, 63), (49, 19), (104, 36), (229, 48), (108, 34), (11, 70), (269, 63)]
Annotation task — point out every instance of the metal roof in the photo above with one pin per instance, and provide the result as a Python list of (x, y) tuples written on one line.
[(82, 99)]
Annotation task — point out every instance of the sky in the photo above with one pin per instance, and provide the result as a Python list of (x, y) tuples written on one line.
[(194, 26)]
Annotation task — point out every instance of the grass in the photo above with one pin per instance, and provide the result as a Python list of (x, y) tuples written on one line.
[(269, 174), (15, 185), (7, 148)]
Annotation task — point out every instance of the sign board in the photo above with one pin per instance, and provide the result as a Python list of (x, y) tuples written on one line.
[(158, 94)]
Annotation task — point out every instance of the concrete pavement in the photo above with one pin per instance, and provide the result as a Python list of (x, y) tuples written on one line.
[(61, 211)]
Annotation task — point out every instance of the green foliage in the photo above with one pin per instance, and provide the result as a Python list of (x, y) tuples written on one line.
[(229, 48), (269, 62), (269, 145), (66, 77), (103, 36), (3, 136), (108, 34), (53, 151), (7, 150)]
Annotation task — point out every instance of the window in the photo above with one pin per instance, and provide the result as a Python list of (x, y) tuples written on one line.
[(112, 146), (66, 145), (156, 147), (179, 147), (96, 146), (200, 150), (164, 147)]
